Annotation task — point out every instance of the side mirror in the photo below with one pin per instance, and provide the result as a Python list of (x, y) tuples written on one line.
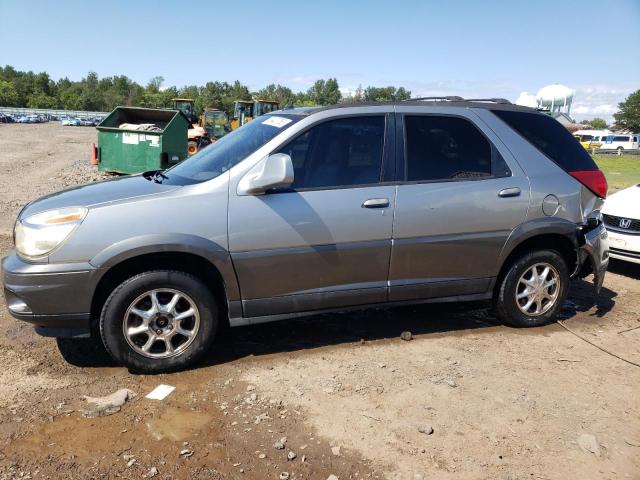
[(274, 171)]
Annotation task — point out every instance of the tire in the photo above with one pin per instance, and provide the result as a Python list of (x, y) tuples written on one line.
[(162, 337), (546, 299)]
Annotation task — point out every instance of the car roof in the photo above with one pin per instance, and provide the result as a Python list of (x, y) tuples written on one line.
[(487, 104)]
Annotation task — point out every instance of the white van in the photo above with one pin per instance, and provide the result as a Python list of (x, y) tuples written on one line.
[(619, 142)]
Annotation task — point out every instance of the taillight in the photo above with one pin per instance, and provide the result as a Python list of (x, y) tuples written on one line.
[(594, 180)]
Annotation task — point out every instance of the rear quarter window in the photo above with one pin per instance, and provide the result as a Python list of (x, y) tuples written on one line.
[(549, 137)]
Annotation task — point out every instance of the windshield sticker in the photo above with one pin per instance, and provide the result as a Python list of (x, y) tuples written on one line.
[(277, 122)]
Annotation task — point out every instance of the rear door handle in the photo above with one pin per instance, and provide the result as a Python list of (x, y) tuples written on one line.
[(509, 192), (376, 203)]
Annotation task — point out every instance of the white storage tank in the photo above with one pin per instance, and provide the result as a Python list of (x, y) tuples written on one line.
[(556, 98)]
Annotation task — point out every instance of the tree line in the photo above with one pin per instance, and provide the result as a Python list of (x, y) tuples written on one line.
[(39, 90)]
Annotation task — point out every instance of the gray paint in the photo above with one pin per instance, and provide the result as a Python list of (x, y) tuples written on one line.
[(302, 252), (455, 229)]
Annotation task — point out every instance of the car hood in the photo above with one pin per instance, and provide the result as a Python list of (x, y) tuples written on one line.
[(94, 194), (625, 203)]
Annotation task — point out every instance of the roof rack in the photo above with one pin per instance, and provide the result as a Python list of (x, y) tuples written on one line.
[(455, 98), (452, 98), (494, 100)]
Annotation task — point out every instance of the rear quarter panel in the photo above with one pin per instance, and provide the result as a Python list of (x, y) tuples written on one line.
[(545, 177)]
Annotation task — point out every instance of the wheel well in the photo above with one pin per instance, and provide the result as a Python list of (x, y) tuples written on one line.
[(196, 265), (551, 241)]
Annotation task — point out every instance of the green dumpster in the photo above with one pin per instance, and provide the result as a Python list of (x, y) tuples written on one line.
[(134, 140)]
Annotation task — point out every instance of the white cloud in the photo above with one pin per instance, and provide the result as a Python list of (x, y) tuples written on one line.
[(527, 99), (600, 100)]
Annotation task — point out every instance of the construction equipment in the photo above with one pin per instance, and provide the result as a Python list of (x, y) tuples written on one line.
[(215, 122), (186, 106), (242, 113), (246, 110), (197, 137)]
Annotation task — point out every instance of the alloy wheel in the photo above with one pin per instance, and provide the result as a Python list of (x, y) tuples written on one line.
[(538, 289), (161, 323)]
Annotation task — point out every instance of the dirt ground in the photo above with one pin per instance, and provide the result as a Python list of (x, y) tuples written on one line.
[(352, 399)]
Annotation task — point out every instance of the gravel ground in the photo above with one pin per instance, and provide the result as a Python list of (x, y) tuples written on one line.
[(466, 398)]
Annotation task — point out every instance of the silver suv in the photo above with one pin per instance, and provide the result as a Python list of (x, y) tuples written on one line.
[(311, 210)]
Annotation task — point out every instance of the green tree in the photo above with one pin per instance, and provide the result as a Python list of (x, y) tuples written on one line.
[(70, 98), (8, 94), (89, 98), (279, 93), (155, 84), (356, 97), (596, 123), (41, 100), (628, 118), (324, 92), (386, 94)]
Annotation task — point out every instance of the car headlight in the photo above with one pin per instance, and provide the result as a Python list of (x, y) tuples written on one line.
[(40, 234)]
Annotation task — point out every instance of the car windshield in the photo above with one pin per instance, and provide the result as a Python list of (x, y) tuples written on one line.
[(234, 147)]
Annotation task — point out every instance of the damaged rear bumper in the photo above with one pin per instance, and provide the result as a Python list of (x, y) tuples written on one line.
[(593, 253)]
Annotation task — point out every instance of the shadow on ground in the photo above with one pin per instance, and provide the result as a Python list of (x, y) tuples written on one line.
[(354, 326), (628, 269)]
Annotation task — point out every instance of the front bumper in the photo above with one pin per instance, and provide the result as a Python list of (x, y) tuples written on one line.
[(56, 298), (624, 246), (594, 251)]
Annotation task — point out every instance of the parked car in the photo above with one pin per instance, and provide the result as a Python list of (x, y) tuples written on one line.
[(313, 210), (621, 214), (25, 119), (86, 122), (71, 121), (619, 142)]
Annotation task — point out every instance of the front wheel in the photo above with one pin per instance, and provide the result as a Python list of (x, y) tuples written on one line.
[(533, 289), (159, 321)]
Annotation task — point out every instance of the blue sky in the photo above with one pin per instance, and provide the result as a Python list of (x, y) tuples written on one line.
[(468, 48)]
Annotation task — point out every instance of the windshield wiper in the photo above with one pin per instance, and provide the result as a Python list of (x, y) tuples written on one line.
[(155, 175)]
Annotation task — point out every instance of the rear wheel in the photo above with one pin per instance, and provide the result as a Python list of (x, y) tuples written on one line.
[(533, 289), (159, 321)]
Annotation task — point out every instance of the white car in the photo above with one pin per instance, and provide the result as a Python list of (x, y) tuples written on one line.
[(621, 214)]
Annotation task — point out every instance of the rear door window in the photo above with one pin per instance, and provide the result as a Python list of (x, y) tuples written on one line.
[(446, 148), (550, 137)]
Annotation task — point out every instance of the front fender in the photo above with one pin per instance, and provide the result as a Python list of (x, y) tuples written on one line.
[(171, 242)]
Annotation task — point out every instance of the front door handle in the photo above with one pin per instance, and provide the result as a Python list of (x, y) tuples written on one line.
[(509, 192), (376, 203)]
